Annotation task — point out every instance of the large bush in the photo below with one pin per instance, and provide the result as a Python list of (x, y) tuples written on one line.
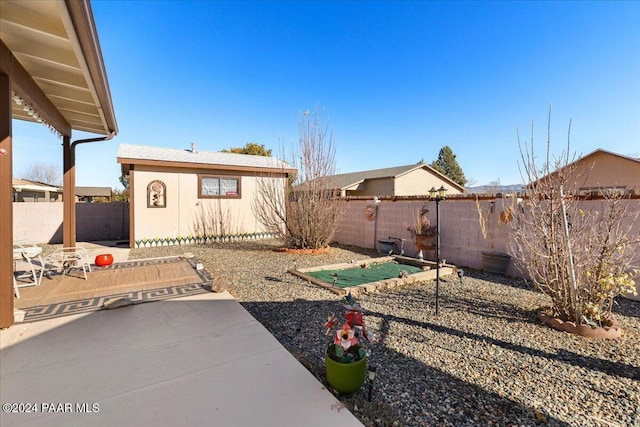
[(305, 215), (581, 258)]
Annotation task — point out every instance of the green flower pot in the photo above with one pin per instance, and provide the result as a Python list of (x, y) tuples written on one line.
[(345, 378)]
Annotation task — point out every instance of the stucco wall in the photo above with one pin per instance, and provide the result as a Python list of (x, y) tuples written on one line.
[(461, 241), (184, 211), (42, 222)]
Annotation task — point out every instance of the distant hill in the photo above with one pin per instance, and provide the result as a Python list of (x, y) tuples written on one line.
[(493, 189)]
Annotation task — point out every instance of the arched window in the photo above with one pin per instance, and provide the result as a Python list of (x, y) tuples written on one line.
[(156, 194)]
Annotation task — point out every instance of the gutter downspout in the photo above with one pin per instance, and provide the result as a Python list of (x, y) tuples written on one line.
[(69, 187)]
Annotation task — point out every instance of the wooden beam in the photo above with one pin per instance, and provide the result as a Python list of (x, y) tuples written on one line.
[(6, 204), (132, 211), (82, 17), (28, 90), (68, 194)]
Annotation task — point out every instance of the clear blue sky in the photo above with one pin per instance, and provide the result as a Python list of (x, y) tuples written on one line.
[(397, 80)]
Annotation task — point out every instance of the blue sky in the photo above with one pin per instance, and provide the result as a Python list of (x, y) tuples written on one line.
[(396, 80)]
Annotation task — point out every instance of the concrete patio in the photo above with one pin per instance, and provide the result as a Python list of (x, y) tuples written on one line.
[(195, 360)]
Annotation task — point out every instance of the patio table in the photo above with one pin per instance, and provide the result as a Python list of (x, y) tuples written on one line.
[(68, 259)]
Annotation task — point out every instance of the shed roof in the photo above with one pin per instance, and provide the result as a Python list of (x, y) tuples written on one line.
[(143, 154)]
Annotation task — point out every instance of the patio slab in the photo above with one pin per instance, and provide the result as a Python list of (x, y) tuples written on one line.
[(196, 360)]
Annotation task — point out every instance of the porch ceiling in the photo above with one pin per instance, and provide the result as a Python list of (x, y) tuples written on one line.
[(54, 44)]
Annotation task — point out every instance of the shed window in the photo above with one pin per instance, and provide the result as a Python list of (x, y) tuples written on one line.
[(210, 186)]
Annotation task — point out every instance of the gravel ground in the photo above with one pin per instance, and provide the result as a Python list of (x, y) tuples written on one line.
[(485, 360)]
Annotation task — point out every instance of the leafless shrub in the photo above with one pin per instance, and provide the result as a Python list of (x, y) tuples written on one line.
[(213, 219), (306, 213), (581, 258), (46, 173)]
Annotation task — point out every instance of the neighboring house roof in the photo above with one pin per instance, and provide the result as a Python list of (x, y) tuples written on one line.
[(480, 189), (93, 191), (600, 150), (586, 158), (25, 184), (347, 180), (143, 154)]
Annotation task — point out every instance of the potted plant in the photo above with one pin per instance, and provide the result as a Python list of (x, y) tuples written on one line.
[(422, 231), (345, 358)]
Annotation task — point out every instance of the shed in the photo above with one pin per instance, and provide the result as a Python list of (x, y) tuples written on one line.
[(180, 195)]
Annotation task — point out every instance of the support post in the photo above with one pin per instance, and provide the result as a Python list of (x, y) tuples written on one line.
[(69, 193), (438, 196), (437, 255), (6, 204), (132, 218)]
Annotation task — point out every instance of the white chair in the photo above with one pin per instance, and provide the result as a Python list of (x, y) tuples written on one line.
[(26, 252), (70, 258)]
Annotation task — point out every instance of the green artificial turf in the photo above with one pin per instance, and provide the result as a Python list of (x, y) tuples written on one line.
[(357, 275)]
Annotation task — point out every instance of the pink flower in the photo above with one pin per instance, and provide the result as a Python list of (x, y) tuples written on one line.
[(330, 322), (345, 337)]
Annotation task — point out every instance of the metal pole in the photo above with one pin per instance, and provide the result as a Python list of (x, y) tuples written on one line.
[(437, 253)]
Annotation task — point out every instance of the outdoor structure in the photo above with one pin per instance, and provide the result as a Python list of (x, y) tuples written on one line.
[(604, 170), (52, 73), (409, 180), (190, 195), (93, 194), (32, 191)]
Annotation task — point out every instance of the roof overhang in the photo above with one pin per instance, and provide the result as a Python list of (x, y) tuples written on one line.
[(128, 163), (50, 50), (31, 187)]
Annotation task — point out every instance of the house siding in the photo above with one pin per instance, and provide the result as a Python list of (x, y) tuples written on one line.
[(609, 170), (185, 212), (419, 182), (414, 183)]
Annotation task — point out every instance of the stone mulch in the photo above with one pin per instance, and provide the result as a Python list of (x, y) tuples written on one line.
[(485, 360)]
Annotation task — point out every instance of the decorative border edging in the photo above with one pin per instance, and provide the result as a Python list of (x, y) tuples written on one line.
[(200, 239), (319, 251), (595, 332), (427, 275)]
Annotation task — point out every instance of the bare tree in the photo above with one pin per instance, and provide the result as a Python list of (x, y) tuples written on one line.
[(212, 218), (46, 173), (581, 258), (304, 214)]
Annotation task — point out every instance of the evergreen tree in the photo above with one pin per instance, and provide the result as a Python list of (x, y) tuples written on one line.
[(447, 165), (124, 180)]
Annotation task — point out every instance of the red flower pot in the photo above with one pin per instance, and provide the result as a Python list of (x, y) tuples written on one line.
[(103, 260)]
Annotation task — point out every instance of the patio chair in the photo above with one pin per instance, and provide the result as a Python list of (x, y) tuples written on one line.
[(69, 258), (26, 252)]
